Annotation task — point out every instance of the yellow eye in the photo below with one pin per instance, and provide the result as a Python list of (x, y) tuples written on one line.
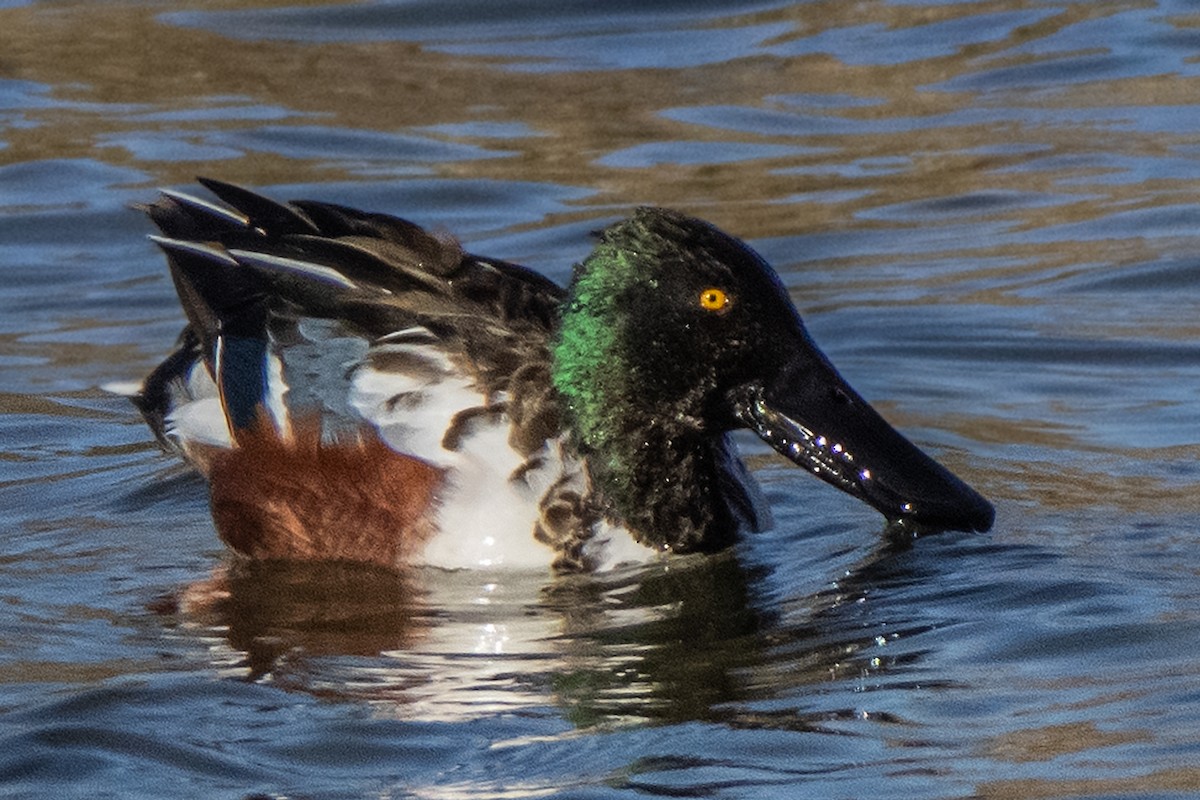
[(714, 299)]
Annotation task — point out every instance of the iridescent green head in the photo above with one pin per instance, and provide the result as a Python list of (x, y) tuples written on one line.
[(665, 318), (674, 334), (661, 316)]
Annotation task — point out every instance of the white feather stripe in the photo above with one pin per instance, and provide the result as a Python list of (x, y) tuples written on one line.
[(275, 401), (417, 333), (209, 208), (306, 269), (204, 250)]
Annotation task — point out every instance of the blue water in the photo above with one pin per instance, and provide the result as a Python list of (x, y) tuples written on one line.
[(987, 213)]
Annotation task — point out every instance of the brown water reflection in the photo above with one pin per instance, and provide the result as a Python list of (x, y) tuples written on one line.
[(120, 56), (1180, 779)]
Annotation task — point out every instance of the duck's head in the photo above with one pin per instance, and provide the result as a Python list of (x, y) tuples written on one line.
[(675, 334)]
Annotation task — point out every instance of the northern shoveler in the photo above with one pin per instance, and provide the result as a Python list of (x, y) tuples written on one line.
[(357, 388)]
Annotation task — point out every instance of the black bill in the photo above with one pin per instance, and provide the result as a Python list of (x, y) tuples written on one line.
[(812, 416)]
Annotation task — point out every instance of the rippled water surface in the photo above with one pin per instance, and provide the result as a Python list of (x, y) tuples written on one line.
[(988, 213)]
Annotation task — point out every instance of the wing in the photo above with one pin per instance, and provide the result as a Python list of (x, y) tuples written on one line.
[(315, 308)]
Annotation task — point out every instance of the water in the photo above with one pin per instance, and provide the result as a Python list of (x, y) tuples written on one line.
[(987, 213)]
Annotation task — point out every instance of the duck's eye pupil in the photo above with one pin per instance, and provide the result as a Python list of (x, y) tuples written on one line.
[(713, 299)]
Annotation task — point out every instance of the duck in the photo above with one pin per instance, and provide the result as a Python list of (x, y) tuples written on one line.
[(356, 388)]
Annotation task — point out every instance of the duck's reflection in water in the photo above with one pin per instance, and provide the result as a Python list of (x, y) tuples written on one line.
[(681, 640)]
